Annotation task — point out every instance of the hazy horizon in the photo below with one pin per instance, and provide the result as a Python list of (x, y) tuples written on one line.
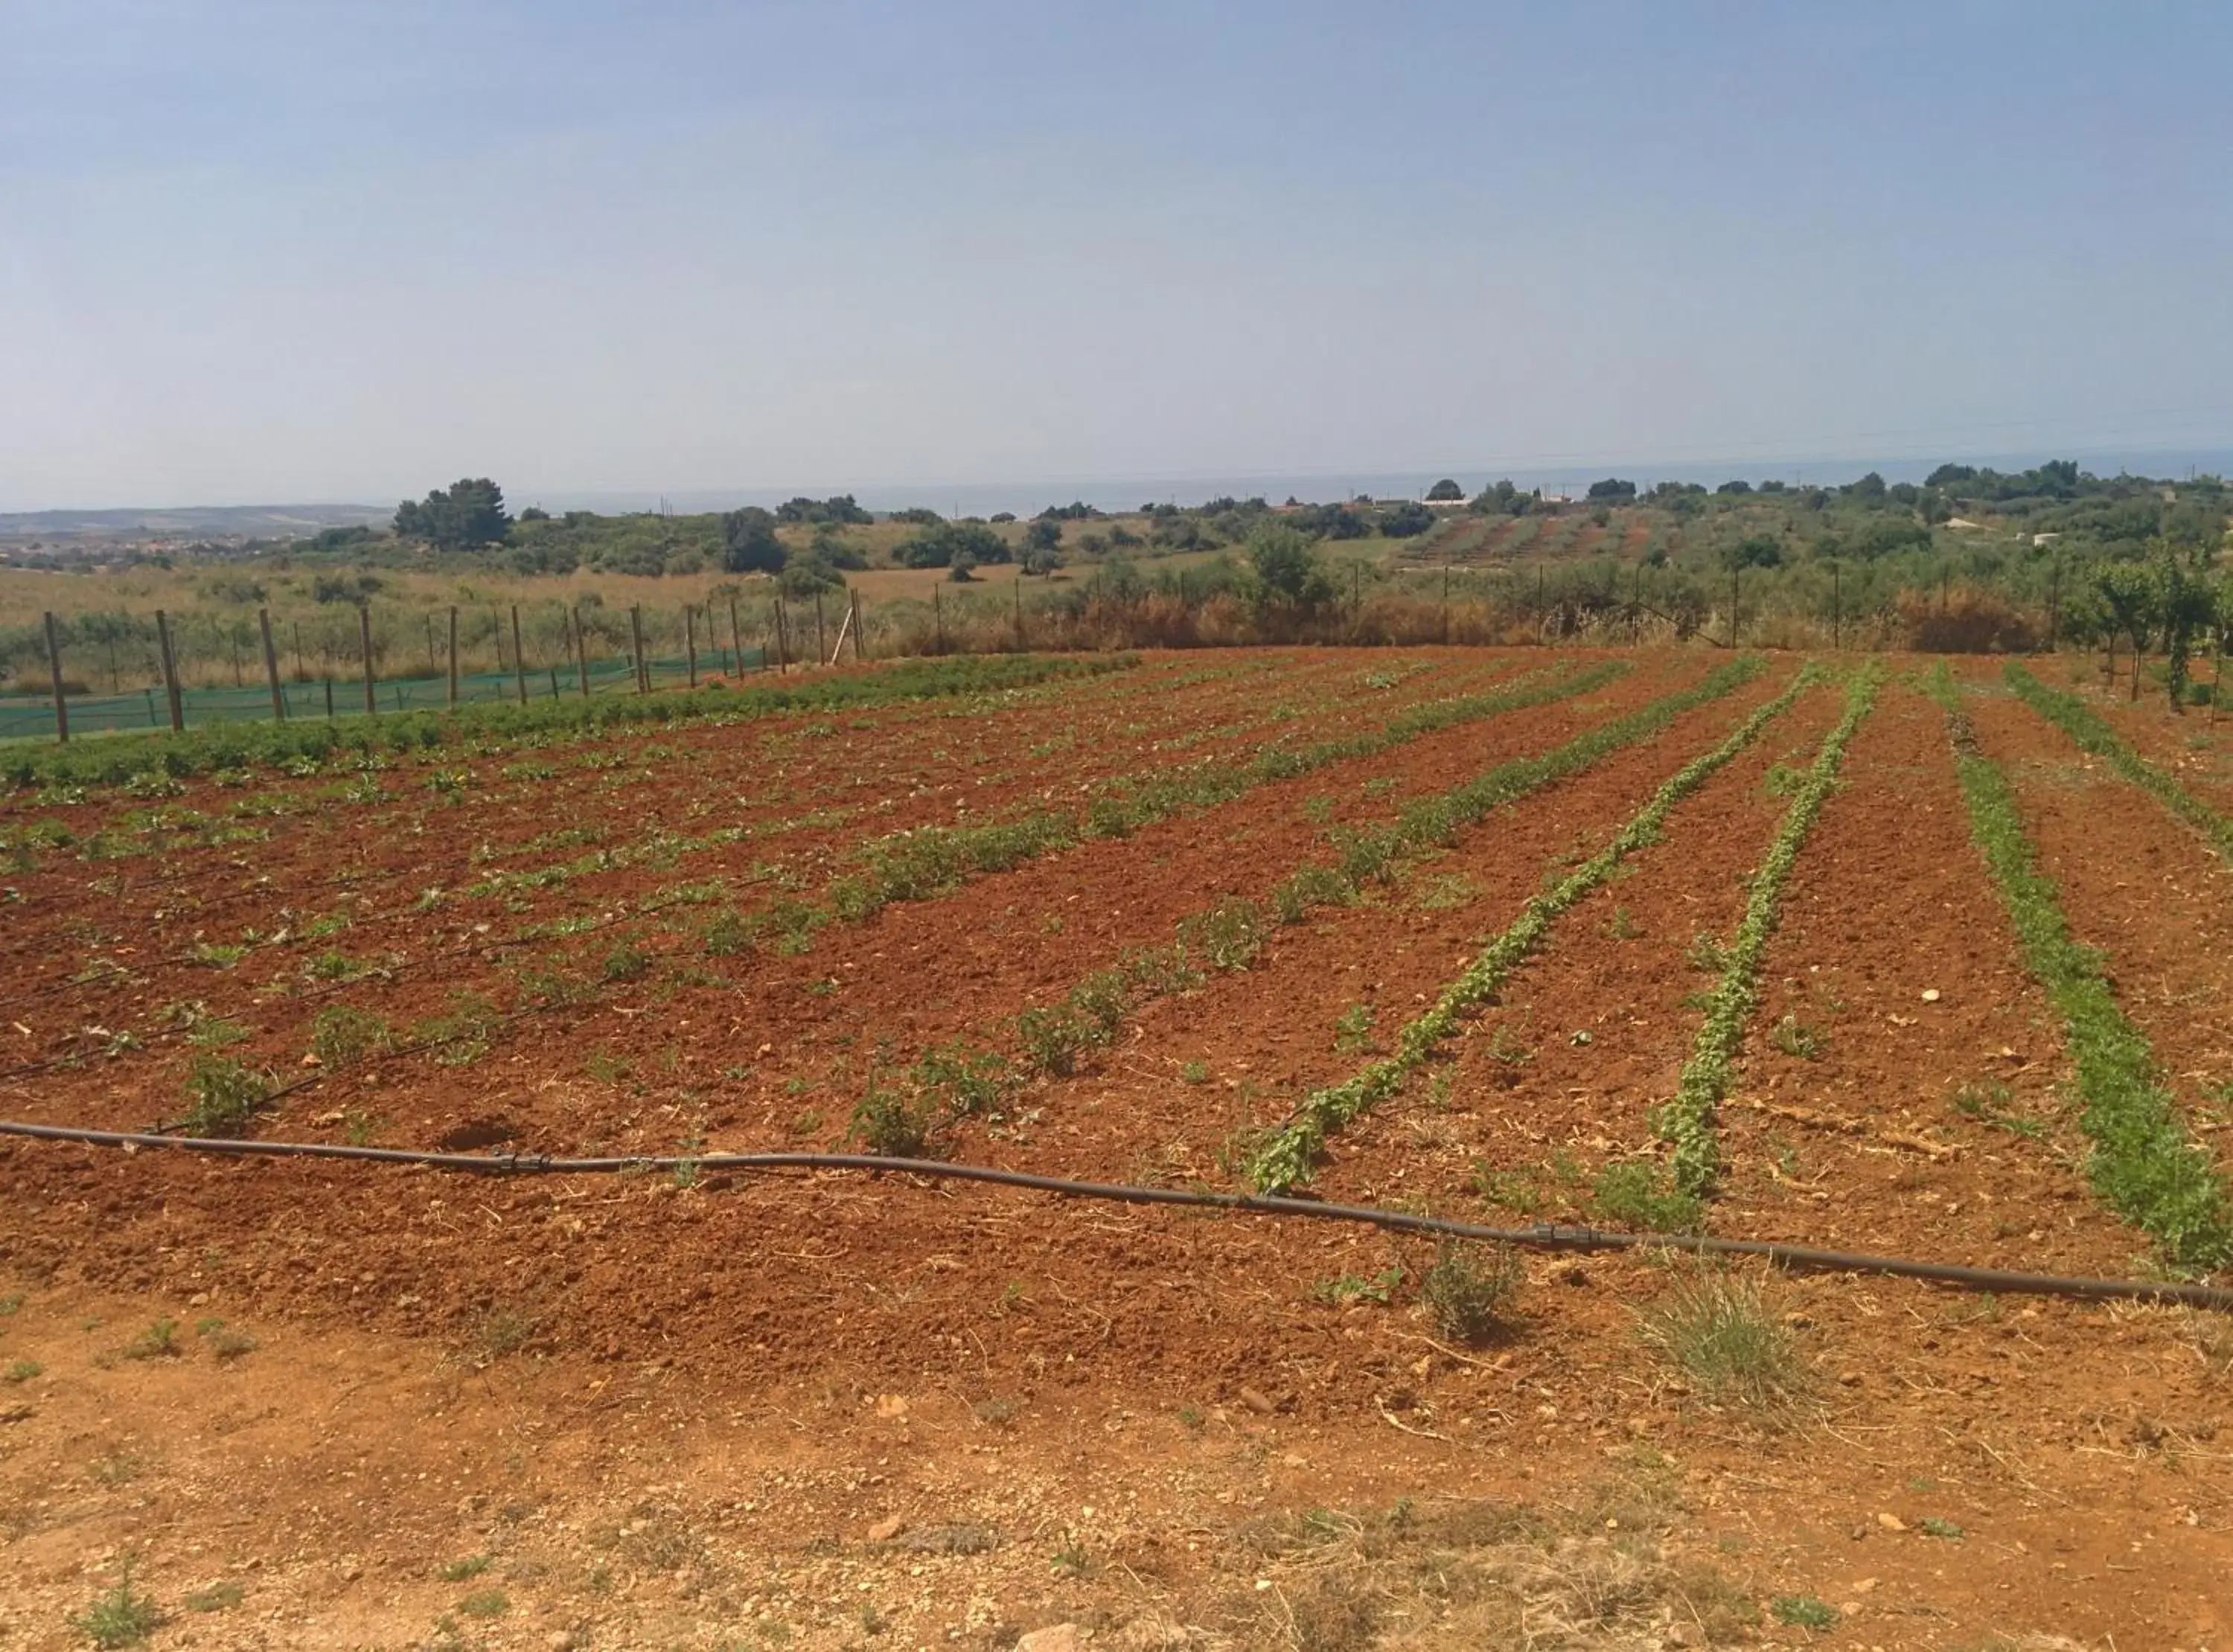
[(256, 251)]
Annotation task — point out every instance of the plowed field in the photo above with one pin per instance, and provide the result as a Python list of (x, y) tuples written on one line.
[(1139, 926)]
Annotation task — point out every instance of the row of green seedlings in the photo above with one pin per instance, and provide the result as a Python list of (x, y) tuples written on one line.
[(958, 1080), (225, 1093), (1687, 1121), (912, 865), (1369, 854), (2143, 1164), (662, 847), (922, 863), (1291, 1156), (931, 861), (500, 725), (2094, 734)]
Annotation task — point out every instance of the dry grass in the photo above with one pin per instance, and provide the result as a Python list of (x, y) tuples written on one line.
[(1469, 1575)]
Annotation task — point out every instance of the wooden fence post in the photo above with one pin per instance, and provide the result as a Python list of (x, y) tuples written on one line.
[(453, 654), (938, 620), (54, 671), (364, 634), (1020, 612), (821, 642), (271, 667), (736, 636), (582, 652), (853, 600), (642, 666), (690, 639), (781, 640), (170, 673), (518, 656)]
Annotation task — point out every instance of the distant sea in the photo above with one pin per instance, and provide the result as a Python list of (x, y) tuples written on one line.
[(1117, 493), (1129, 492)]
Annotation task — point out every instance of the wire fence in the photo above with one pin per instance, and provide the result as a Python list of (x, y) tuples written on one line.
[(159, 669), (23, 717)]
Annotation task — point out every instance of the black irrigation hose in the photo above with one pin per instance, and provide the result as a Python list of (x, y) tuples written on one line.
[(1543, 1236)]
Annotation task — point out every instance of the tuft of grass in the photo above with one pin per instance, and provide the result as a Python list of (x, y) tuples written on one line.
[(1794, 1038), (1634, 1195), (1720, 1332), (505, 1332), (21, 1370), (485, 1602), (1351, 1287), (159, 1341), (1470, 1289), (2143, 1164), (1353, 1030), (459, 1571), (1988, 1103), (1194, 1072), (1804, 1611), (118, 1616), (1517, 1191), (216, 1597)]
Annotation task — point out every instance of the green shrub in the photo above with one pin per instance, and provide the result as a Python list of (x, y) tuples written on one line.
[(891, 1124), (728, 933), (1228, 936), (626, 962), (1633, 1196), (223, 1095), (118, 1616), (1470, 1288), (341, 1036)]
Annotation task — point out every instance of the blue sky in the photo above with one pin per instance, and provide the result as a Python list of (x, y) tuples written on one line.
[(259, 250)]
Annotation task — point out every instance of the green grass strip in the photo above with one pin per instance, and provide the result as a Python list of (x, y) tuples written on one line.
[(933, 861), (2093, 733), (1288, 1159), (2143, 1165), (1687, 1120)]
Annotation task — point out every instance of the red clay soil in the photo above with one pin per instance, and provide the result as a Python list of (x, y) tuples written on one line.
[(1870, 1151), (1592, 1031), (907, 766), (2147, 891), (1268, 1037), (401, 937), (673, 1415), (816, 1037)]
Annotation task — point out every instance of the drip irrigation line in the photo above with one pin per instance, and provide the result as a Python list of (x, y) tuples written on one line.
[(1542, 1237)]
